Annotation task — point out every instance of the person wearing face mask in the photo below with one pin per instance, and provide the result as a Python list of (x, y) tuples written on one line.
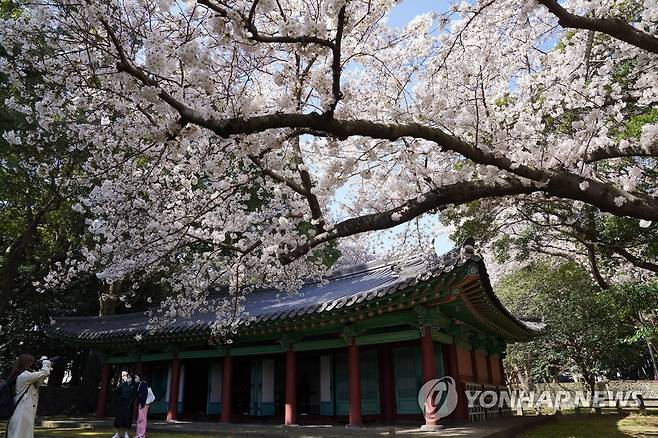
[(29, 375), (126, 392), (144, 399)]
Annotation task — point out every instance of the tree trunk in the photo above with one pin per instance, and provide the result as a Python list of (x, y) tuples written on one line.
[(109, 298), (653, 359), (14, 258)]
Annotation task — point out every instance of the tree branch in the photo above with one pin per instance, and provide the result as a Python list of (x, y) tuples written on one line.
[(616, 152), (258, 37), (594, 267), (565, 185), (279, 178), (336, 67), (614, 27), (439, 198)]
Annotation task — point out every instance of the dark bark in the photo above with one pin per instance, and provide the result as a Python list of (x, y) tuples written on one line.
[(18, 252), (636, 261), (614, 27), (556, 183), (459, 193), (594, 267), (109, 298)]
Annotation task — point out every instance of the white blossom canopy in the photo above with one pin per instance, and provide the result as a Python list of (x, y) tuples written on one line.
[(221, 133)]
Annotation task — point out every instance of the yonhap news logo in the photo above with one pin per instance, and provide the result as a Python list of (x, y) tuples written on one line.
[(437, 398)]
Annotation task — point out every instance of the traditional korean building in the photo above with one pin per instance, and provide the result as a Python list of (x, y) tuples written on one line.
[(355, 350)]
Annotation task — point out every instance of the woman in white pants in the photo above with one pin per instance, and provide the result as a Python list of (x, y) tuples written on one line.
[(21, 424)]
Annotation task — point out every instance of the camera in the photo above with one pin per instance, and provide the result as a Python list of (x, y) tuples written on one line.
[(39, 363)]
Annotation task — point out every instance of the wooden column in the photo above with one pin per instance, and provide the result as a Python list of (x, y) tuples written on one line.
[(290, 416), (387, 386), (429, 373), (502, 370), (490, 378), (474, 365), (172, 407), (452, 366), (356, 419), (102, 392), (226, 389)]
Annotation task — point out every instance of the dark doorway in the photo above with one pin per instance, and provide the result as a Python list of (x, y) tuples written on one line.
[(308, 385), (195, 396), (241, 394)]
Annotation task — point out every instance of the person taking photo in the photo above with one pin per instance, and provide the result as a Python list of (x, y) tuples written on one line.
[(29, 376)]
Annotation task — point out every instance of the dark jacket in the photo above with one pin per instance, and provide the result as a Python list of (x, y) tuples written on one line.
[(142, 393), (126, 391)]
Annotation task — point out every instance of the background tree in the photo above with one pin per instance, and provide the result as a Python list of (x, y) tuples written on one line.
[(588, 331)]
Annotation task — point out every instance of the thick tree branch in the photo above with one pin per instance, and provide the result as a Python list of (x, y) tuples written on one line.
[(336, 67), (455, 194), (636, 261), (594, 267), (616, 152), (614, 27), (307, 183), (258, 37), (604, 196)]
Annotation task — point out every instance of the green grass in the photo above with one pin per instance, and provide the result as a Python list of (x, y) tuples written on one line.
[(595, 426)]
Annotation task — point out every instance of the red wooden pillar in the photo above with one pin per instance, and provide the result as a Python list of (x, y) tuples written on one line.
[(356, 419), (102, 393), (490, 378), (429, 373), (290, 417), (387, 387), (501, 367), (452, 366), (172, 408), (474, 366), (226, 389)]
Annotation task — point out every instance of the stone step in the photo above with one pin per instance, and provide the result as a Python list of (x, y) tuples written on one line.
[(64, 424)]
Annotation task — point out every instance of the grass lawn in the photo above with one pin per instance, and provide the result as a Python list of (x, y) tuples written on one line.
[(595, 426)]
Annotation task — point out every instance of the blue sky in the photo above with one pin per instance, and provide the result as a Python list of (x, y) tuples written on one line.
[(404, 12)]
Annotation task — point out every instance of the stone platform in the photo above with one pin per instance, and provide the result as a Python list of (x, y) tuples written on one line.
[(506, 428)]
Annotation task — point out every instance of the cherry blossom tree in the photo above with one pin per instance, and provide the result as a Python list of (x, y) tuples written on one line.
[(223, 133)]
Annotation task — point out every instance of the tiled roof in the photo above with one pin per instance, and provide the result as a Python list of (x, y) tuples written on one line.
[(345, 287)]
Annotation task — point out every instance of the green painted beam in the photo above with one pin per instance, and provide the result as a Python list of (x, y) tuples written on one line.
[(258, 349), (323, 344), (201, 354), (382, 338), (123, 359), (442, 337), (156, 357), (404, 317)]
